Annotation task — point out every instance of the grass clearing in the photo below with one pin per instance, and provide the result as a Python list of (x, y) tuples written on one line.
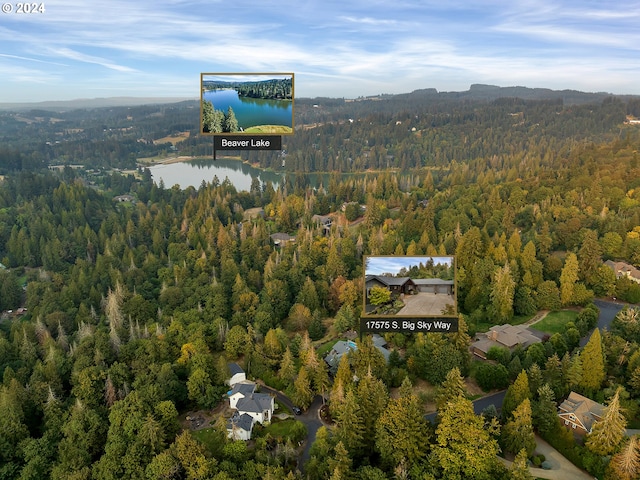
[(326, 348), (276, 129), (286, 429), (555, 322), (173, 139), (210, 438)]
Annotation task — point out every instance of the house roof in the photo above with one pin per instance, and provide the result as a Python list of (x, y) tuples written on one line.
[(623, 268), (324, 219), (281, 237), (378, 341), (245, 388), (506, 336), (341, 347), (242, 422), (585, 410), (234, 368), (389, 281), (255, 403)]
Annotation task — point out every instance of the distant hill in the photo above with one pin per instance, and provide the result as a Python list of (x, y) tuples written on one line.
[(65, 105), (493, 92)]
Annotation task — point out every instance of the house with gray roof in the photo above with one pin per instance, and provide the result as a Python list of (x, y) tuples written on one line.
[(279, 239), (396, 285), (259, 406), (343, 347), (239, 427), (237, 374), (241, 390)]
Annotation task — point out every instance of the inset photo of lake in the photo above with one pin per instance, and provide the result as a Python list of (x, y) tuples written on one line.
[(241, 103)]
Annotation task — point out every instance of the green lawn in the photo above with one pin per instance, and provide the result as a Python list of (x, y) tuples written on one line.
[(555, 322), (289, 428), (326, 348), (516, 320), (210, 438)]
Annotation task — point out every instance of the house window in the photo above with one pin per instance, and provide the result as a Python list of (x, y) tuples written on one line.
[(573, 425), (566, 422)]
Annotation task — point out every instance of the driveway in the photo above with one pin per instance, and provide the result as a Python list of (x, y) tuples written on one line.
[(608, 311), (561, 468), (426, 304), (310, 418)]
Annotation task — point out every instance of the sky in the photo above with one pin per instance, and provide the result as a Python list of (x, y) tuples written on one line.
[(378, 265), (111, 48)]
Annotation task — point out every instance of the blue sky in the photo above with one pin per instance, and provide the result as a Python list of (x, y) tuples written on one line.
[(107, 48), (379, 265)]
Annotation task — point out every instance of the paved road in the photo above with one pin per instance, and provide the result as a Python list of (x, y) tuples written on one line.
[(608, 310)]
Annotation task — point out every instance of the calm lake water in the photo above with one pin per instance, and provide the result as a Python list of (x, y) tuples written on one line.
[(193, 173), (251, 111)]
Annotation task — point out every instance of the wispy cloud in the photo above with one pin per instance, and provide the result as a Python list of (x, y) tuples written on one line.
[(18, 57), (81, 57), (336, 48)]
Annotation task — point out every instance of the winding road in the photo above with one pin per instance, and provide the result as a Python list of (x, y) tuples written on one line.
[(310, 418)]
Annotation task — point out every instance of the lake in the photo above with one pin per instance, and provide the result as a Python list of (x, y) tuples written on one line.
[(193, 173), (251, 111)]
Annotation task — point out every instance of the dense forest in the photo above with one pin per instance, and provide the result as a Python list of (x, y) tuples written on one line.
[(272, 89), (217, 121), (130, 311)]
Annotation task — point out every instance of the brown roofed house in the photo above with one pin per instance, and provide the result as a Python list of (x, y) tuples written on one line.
[(623, 269), (580, 413), (506, 336)]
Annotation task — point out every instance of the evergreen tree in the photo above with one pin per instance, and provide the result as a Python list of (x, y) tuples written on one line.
[(516, 394), (464, 448), (592, 356), (366, 357), (568, 279), (401, 430), (520, 470), (625, 465), (545, 417), (287, 367), (350, 425), (302, 392), (316, 328), (451, 388), (502, 292), (607, 433), (373, 398), (518, 431), (230, 122), (590, 257)]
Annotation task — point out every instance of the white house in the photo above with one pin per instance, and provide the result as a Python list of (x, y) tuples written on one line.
[(239, 427), (241, 390), (250, 407), (237, 374), (259, 406)]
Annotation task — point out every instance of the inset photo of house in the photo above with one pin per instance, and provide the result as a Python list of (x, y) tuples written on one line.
[(410, 286)]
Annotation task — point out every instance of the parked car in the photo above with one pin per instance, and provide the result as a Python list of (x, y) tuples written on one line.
[(297, 411)]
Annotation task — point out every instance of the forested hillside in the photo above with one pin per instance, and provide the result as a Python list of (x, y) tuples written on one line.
[(133, 309)]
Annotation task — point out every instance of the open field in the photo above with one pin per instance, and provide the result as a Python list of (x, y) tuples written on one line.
[(555, 322), (269, 129), (173, 139)]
